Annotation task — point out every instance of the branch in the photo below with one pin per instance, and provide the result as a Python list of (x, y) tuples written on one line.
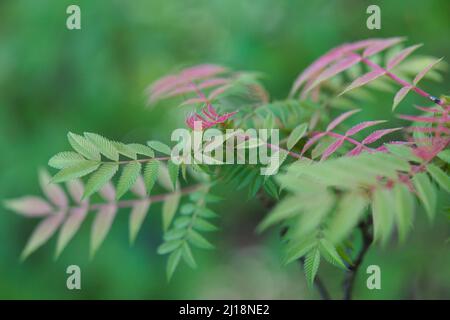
[(350, 276)]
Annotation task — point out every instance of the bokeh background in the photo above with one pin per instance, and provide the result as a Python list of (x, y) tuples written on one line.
[(53, 80)]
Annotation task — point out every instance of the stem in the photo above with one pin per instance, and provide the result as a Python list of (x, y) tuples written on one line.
[(350, 276), (402, 82)]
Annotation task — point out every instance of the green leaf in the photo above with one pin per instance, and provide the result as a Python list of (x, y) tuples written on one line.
[(105, 146), (65, 159), (382, 213), (203, 225), (198, 240), (330, 254), (349, 210), (100, 178), (174, 234), (311, 265), (137, 216), (101, 226), (160, 147), (298, 249), (76, 171), (142, 149), (125, 149), (151, 174), (439, 176), (169, 209), (174, 171), (128, 177), (287, 208), (83, 146), (402, 151), (169, 246), (172, 262), (404, 208), (187, 208), (444, 155), (426, 193), (296, 135), (188, 257)]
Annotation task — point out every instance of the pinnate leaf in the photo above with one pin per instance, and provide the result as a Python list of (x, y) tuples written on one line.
[(296, 135), (65, 159), (42, 233), (101, 226), (128, 177), (105, 146), (83, 146), (100, 178), (77, 171)]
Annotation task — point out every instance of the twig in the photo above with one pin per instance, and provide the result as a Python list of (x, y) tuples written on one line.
[(350, 276)]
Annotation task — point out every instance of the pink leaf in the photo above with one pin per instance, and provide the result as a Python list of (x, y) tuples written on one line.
[(422, 73), (194, 101), (374, 136), (362, 126), (428, 109), (355, 151), (29, 206), (341, 65), (364, 79), (76, 190), (332, 148), (53, 191), (400, 95), (70, 227), (218, 91), (332, 55), (311, 141), (101, 226), (42, 233), (139, 187), (333, 124), (108, 192), (402, 55), (137, 216), (381, 45), (425, 119)]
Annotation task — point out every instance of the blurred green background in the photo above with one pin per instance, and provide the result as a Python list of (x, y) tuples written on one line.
[(53, 80)]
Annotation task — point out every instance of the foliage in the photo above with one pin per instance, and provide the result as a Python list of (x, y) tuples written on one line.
[(329, 181)]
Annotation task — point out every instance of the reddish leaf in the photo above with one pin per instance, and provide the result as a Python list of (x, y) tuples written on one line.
[(29, 206), (402, 55), (108, 192), (76, 189), (374, 136), (334, 54), (362, 126), (139, 187), (341, 65), (332, 148), (311, 141), (355, 151), (422, 73), (333, 124), (400, 95), (53, 191), (101, 226), (381, 45), (42, 233), (364, 79), (70, 227), (424, 118)]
